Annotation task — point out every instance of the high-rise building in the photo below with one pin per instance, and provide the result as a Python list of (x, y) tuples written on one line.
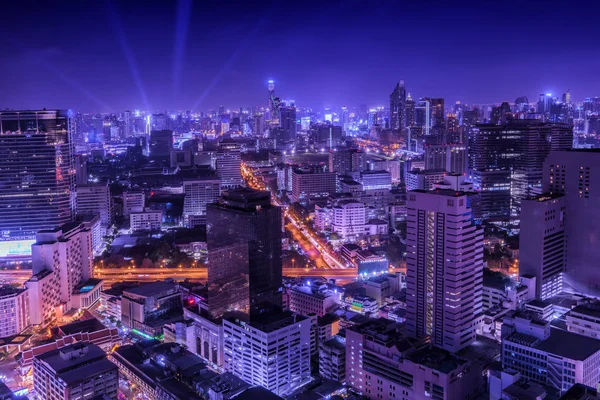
[(67, 252), (161, 144), (492, 154), (38, 172), (343, 160), (197, 194), (81, 173), (398, 107), (450, 157), (444, 278), (229, 164), (282, 336), (543, 243), (537, 140), (14, 311), (247, 216), (306, 184), (287, 122), (77, 371), (410, 106), (575, 174), (95, 199), (228, 281)]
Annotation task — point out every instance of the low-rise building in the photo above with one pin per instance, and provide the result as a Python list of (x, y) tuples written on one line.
[(148, 306), (584, 320), (78, 371), (317, 299), (548, 355), (149, 220)]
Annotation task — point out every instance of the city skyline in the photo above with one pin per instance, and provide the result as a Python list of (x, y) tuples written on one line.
[(196, 56)]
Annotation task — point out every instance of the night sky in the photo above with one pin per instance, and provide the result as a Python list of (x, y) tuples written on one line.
[(110, 56)]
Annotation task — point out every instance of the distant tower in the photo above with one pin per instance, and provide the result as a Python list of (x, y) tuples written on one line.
[(398, 107), (273, 103)]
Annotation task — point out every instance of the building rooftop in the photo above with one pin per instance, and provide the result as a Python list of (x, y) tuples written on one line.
[(445, 192), (525, 390), (86, 286), (268, 322), (77, 361), (151, 289), (88, 325), (592, 310), (7, 290), (437, 359), (569, 345)]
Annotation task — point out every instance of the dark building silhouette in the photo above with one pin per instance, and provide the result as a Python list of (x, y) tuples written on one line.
[(246, 216)]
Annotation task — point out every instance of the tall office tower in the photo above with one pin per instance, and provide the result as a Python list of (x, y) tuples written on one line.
[(246, 215), (575, 174), (566, 97), (258, 125), (450, 157), (94, 199), (273, 103), (67, 252), (444, 278), (77, 371), (436, 112), (159, 122), (96, 135), (537, 140), (284, 337), (342, 161), (81, 174), (161, 144), (501, 113), (128, 123), (398, 107), (38, 172), (229, 164), (287, 122), (543, 243), (410, 116), (452, 129), (228, 279), (198, 192), (492, 153), (345, 118)]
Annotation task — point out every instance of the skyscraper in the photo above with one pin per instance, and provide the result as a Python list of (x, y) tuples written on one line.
[(287, 122), (444, 278), (247, 216), (398, 107), (543, 244), (229, 164), (37, 179), (198, 192), (95, 199), (161, 144), (410, 111), (506, 161), (575, 174)]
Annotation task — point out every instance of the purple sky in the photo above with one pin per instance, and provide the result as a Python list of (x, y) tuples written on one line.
[(111, 56)]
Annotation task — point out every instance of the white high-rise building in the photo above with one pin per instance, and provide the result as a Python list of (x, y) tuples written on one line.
[(62, 259), (444, 279), (14, 310), (543, 243), (197, 194), (229, 164), (349, 218), (94, 199), (273, 352)]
